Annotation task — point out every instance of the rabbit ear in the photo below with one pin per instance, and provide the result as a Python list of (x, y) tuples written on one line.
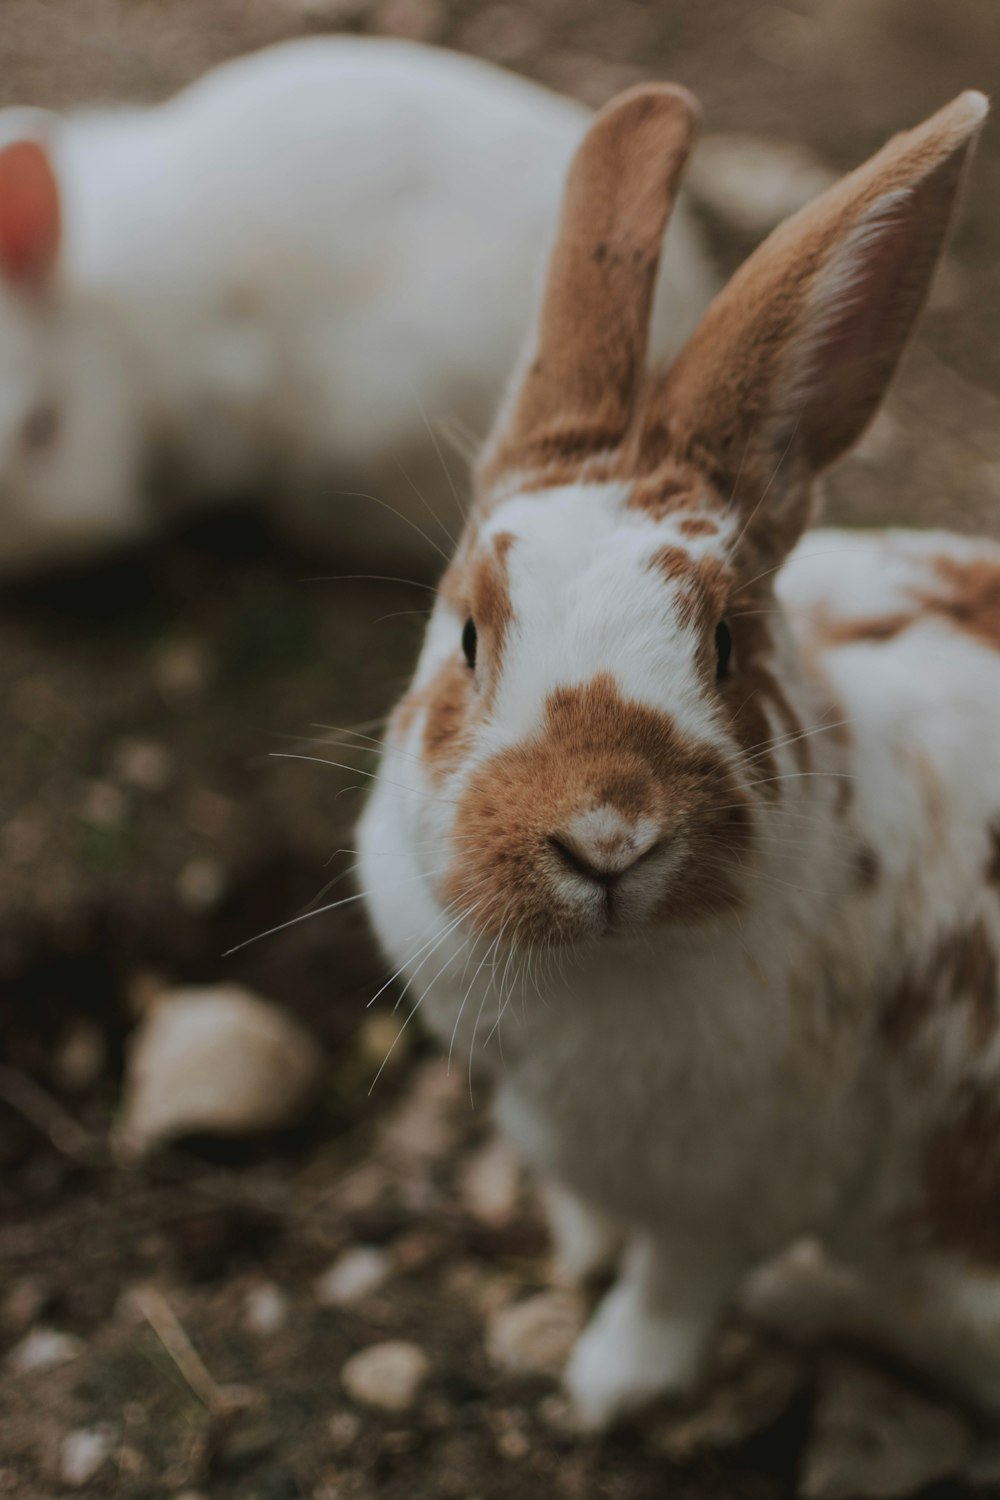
[(575, 394), (794, 355), (29, 214)]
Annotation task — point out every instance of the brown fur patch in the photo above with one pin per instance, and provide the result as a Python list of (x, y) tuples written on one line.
[(676, 565), (752, 688), (671, 487), (961, 969), (973, 598), (960, 1212), (595, 748), (490, 607), (868, 867), (693, 526), (875, 628), (446, 730), (993, 862)]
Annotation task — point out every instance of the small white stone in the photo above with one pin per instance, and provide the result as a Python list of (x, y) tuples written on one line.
[(21, 1304), (535, 1336), (386, 1375), (82, 1454), (104, 805), (219, 1060), (424, 1126), (380, 1042), (143, 764), (180, 670), (490, 1182), (353, 1275), (80, 1056), (43, 1349), (265, 1310), (344, 1429), (201, 884)]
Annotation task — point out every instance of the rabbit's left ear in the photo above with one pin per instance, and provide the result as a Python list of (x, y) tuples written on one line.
[(794, 355), (575, 395)]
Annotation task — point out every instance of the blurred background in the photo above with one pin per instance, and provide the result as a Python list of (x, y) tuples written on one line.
[(181, 1325)]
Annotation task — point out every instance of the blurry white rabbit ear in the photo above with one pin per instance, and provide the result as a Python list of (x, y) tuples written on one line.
[(30, 215)]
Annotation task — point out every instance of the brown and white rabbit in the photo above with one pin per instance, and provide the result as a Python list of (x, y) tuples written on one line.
[(689, 825)]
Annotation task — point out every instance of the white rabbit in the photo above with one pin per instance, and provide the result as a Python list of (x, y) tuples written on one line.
[(278, 278), (704, 863)]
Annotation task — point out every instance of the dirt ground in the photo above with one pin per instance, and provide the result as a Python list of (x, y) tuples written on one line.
[(145, 829)]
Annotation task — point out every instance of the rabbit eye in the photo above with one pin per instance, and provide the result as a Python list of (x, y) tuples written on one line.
[(723, 649), (41, 427), (469, 641)]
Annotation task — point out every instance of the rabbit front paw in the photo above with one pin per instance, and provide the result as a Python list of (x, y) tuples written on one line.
[(585, 1242), (629, 1355)]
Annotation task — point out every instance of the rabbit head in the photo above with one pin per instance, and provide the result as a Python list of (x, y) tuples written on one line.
[(589, 744), (68, 416)]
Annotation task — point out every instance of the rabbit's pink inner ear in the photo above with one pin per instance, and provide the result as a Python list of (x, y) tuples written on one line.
[(793, 358), (576, 392), (30, 219)]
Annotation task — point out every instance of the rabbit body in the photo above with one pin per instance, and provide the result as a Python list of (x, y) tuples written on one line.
[(697, 852), (282, 276)]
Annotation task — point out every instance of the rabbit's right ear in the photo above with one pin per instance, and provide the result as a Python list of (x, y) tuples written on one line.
[(30, 217), (575, 394), (793, 357)]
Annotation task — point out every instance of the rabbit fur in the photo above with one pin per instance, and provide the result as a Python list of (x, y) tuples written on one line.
[(687, 831), (281, 280)]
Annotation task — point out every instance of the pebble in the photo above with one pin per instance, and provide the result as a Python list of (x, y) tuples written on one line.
[(490, 1182), (423, 1128), (218, 1059), (22, 1303), (180, 670), (103, 805), (265, 1310), (80, 1056), (379, 1041), (82, 1454), (43, 1349), (344, 1429), (386, 1375), (535, 1336), (201, 884), (353, 1275), (143, 764), (874, 1438)]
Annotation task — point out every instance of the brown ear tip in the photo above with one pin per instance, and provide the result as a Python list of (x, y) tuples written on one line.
[(666, 100)]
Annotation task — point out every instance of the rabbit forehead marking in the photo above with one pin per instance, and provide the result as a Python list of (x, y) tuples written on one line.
[(592, 593)]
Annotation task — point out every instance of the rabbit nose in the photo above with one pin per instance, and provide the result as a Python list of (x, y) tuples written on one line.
[(602, 845)]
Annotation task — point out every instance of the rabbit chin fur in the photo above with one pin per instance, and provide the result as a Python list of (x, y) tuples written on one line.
[(724, 933), (277, 280)]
